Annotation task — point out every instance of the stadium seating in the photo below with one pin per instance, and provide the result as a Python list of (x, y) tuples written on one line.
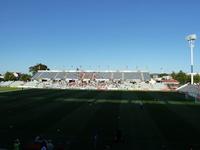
[(146, 76), (72, 75), (192, 90), (6, 83), (17, 84), (103, 75), (129, 80), (117, 75), (159, 86), (132, 76), (88, 75), (61, 75), (107, 75), (31, 84), (36, 76)]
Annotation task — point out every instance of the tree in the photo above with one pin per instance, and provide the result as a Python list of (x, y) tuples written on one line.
[(184, 78), (181, 77), (25, 77), (163, 74), (34, 69), (197, 78), (9, 76), (173, 75)]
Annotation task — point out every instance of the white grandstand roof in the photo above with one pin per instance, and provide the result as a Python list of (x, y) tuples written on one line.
[(90, 71)]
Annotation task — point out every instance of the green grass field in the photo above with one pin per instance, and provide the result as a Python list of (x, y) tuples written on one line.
[(8, 89), (71, 117)]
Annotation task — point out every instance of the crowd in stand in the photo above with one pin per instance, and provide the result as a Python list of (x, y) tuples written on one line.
[(106, 85), (39, 143), (42, 143)]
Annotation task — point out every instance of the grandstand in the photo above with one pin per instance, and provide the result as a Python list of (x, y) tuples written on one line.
[(107, 80), (192, 90), (92, 75), (17, 84), (30, 84), (6, 83), (98, 80)]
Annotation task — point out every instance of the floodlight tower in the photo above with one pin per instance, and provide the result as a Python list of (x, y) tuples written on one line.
[(191, 39)]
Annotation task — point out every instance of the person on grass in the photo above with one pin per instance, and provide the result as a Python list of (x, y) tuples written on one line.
[(50, 145), (141, 105), (16, 145), (43, 146)]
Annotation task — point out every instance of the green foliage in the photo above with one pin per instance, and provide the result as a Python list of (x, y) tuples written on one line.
[(173, 75), (181, 77), (184, 78), (34, 69), (7, 89), (9, 76), (25, 77), (197, 78), (1, 79), (163, 74)]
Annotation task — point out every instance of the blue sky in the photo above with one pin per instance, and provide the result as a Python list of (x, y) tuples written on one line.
[(144, 34)]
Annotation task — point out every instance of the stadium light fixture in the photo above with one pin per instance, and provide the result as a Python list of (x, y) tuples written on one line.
[(191, 39)]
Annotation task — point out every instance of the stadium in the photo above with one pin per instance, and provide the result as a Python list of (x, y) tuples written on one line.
[(86, 79), (99, 75), (99, 110)]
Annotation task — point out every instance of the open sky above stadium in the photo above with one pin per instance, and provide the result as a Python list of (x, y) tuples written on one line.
[(98, 34)]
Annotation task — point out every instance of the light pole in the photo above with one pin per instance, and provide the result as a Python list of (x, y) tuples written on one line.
[(191, 39)]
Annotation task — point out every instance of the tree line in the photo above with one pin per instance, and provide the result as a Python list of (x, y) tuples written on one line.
[(184, 78), (10, 76)]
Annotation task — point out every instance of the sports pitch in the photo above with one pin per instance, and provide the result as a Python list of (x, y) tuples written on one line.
[(166, 120)]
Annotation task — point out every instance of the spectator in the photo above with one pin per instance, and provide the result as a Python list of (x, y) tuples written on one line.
[(43, 148), (118, 136), (141, 105), (16, 145), (95, 139), (50, 145), (38, 139)]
